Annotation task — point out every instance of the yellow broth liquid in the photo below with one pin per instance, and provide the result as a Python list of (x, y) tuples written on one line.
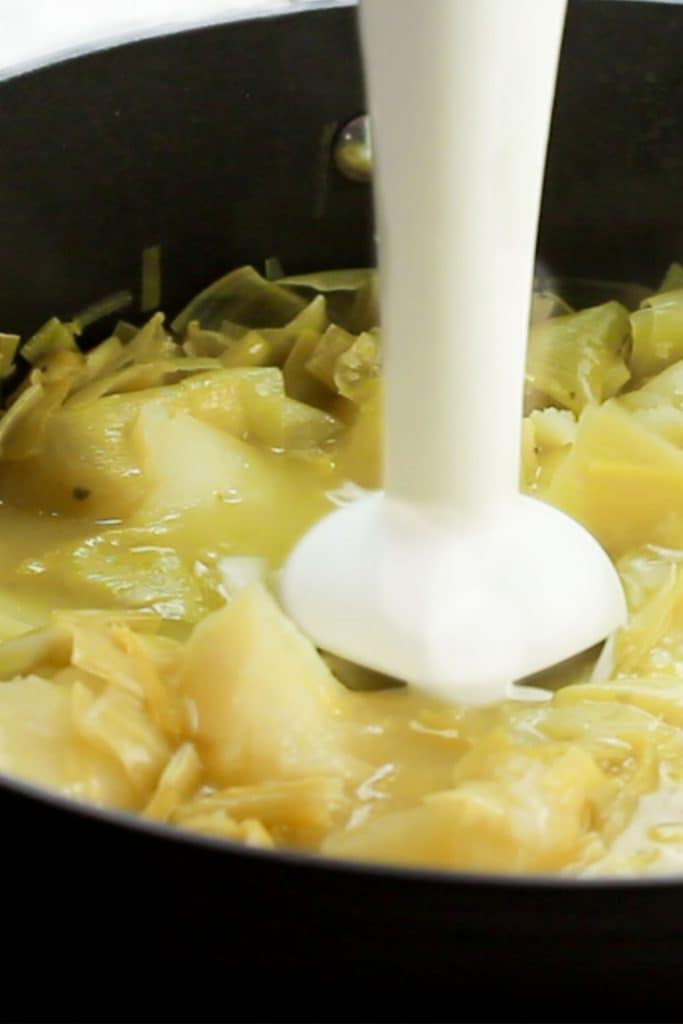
[(407, 746), (139, 674)]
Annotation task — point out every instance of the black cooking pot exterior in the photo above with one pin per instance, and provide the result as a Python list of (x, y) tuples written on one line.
[(215, 143)]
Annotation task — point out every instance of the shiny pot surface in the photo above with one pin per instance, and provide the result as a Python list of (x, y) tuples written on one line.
[(216, 144)]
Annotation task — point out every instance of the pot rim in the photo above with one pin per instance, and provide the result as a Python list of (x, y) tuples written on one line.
[(324, 864), (132, 34)]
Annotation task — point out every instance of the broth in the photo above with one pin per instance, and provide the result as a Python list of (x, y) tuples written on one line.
[(152, 487)]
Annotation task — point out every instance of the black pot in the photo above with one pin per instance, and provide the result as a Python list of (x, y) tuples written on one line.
[(216, 144)]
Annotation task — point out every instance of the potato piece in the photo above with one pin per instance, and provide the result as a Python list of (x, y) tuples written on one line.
[(169, 442), (188, 463), (553, 428), (529, 467), (93, 457), (209, 495), (34, 726), (547, 437), (657, 415), (623, 482), (267, 706), (512, 809), (86, 465), (658, 404)]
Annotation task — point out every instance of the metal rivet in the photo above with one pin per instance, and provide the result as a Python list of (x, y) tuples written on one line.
[(353, 151)]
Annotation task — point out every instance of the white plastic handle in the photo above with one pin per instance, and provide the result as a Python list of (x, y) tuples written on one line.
[(461, 97), (451, 579)]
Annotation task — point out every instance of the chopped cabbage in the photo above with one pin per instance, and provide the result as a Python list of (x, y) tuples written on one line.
[(657, 337), (578, 359)]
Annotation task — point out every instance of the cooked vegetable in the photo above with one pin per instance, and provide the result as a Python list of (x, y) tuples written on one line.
[(242, 296), (113, 303), (150, 283), (656, 328), (9, 343), (264, 711), (150, 488), (578, 359), (54, 336)]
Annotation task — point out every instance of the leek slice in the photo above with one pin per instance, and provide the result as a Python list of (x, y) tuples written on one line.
[(657, 333), (243, 296), (578, 359)]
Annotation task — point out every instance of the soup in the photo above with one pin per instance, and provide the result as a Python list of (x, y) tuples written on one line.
[(151, 487)]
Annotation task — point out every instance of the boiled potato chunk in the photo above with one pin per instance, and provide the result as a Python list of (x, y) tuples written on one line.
[(87, 465), (512, 809), (267, 707), (93, 460), (188, 463), (621, 480), (208, 493)]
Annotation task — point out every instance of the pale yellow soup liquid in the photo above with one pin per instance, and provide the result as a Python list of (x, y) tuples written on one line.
[(147, 665)]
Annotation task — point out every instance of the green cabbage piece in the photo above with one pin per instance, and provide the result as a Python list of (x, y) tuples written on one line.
[(657, 329), (578, 359), (242, 296)]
